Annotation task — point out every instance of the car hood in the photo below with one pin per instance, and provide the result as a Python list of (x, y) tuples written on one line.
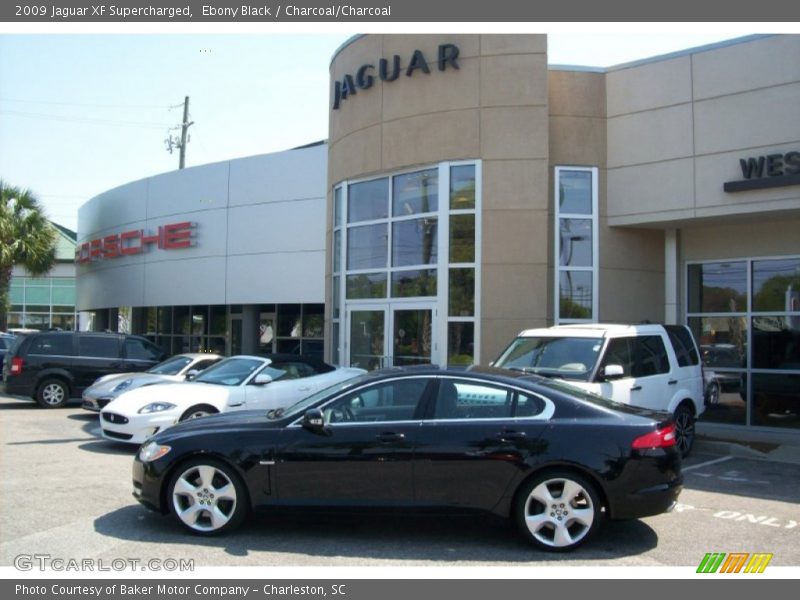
[(109, 382), (222, 422), (182, 394)]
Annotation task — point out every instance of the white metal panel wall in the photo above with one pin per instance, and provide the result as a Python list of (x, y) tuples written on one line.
[(259, 235)]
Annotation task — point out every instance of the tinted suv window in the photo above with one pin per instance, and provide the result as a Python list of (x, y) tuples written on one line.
[(52, 345), (651, 356), (620, 352), (96, 346), (141, 350), (683, 344)]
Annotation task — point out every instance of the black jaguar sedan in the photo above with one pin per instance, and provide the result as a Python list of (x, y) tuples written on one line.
[(552, 458)]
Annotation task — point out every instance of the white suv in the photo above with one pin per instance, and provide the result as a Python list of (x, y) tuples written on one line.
[(651, 366)]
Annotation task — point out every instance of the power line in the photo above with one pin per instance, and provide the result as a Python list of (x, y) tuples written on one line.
[(89, 105), (87, 120)]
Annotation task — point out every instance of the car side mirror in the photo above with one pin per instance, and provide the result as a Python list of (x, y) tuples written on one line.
[(313, 420), (610, 372), (262, 379), (192, 374)]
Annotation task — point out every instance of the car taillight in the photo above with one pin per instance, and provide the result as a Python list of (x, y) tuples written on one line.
[(660, 438), (16, 366)]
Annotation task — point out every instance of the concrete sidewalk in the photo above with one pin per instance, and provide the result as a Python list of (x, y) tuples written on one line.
[(783, 453)]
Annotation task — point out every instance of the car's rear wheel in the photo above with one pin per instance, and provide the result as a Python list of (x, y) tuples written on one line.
[(52, 393), (207, 497), (558, 511), (684, 429)]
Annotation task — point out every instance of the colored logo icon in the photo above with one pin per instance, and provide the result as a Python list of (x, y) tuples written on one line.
[(735, 562)]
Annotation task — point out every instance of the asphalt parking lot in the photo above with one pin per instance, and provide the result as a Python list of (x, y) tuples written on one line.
[(67, 494)]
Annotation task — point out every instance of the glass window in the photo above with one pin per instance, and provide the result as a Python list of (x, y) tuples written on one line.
[(683, 345), (461, 300), (165, 319), (462, 238), (368, 201), (460, 343), (52, 345), (776, 285), (289, 323), (620, 352), (575, 241), (528, 406), (64, 296), (776, 343), (313, 320), (182, 320), (776, 399), (219, 320), (337, 302), (416, 193), (651, 356), (337, 251), (366, 285), (718, 287), (386, 402), (462, 187), (170, 366), (720, 332), (566, 357), (232, 371), (409, 284), (141, 350), (337, 207), (367, 247), (575, 295), (96, 346), (414, 242), (575, 192), (467, 400), (16, 293), (37, 295)]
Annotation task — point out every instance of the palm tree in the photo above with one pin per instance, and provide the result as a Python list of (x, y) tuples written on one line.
[(26, 238)]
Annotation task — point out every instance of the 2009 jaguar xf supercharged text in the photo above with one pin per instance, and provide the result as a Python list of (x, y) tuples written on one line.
[(555, 460)]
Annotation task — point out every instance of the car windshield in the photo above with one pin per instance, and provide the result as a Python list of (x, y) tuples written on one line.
[(565, 357), (171, 366), (300, 407), (231, 371)]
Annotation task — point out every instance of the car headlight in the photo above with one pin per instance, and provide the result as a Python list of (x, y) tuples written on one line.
[(155, 407), (152, 451), (122, 385)]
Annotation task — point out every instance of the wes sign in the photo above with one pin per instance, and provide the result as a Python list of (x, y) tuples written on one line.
[(770, 171)]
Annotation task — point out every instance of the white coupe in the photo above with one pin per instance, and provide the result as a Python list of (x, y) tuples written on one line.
[(236, 383)]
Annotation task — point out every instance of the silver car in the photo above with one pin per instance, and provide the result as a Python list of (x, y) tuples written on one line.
[(175, 369)]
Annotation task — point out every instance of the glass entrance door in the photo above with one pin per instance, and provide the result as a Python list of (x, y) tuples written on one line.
[(400, 334)]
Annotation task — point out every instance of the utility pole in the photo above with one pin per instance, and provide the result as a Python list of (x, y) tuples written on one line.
[(172, 142)]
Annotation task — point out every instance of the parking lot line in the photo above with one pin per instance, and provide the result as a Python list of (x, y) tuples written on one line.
[(705, 464)]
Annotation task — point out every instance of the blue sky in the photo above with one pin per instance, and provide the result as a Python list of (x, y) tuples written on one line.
[(82, 113)]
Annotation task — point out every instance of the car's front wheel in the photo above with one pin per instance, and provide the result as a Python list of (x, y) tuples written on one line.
[(196, 412), (558, 511), (52, 393), (207, 497), (712, 393)]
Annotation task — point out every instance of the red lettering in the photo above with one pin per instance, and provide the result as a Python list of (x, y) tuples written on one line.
[(177, 235), (111, 246), (127, 246), (152, 239)]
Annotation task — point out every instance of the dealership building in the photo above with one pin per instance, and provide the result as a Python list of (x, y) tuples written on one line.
[(468, 190)]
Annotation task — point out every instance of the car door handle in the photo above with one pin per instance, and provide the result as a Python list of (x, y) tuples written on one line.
[(672, 382), (636, 388), (390, 436), (511, 436)]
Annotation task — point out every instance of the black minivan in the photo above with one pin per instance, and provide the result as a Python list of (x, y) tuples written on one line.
[(53, 366)]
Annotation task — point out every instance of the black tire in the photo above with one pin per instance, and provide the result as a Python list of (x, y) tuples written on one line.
[(207, 497), (684, 429), (52, 393), (558, 511), (712, 393), (195, 412)]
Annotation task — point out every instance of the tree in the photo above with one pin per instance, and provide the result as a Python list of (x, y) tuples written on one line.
[(27, 239)]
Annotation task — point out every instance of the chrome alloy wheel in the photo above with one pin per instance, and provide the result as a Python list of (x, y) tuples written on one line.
[(684, 430), (559, 513), (204, 498), (53, 393)]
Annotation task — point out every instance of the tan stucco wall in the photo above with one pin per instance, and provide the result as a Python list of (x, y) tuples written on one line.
[(678, 127), (493, 108)]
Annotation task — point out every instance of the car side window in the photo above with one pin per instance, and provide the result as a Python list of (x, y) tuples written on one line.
[(528, 406), (651, 356), (52, 345), (141, 350), (293, 370), (619, 352), (385, 402), (204, 364), (98, 347), (466, 400), (683, 344)]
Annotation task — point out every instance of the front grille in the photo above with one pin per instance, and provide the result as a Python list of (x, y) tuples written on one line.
[(117, 435), (116, 419)]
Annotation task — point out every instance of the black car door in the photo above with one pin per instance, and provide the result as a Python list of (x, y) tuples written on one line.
[(97, 355), (474, 441), (365, 454)]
